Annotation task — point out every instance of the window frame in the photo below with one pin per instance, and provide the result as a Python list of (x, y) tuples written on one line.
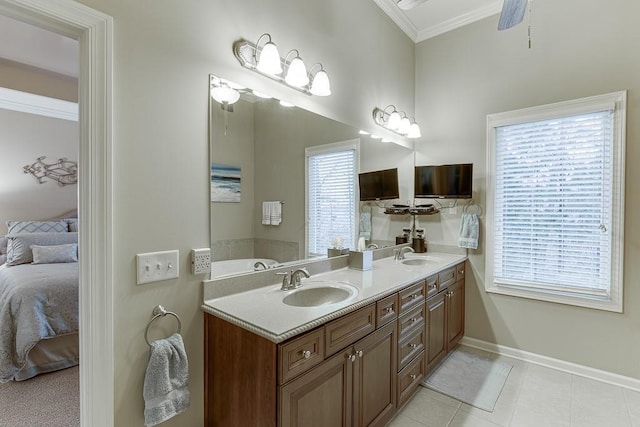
[(616, 101), (351, 144)]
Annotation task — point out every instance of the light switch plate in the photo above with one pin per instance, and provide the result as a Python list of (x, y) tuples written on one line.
[(157, 266)]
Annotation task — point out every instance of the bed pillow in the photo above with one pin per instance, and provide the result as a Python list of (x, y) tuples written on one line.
[(55, 254), (59, 226), (19, 247)]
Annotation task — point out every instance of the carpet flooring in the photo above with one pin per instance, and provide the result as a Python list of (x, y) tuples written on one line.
[(46, 400), (470, 378)]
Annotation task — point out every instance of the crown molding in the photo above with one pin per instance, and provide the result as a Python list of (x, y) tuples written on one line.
[(37, 104), (459, 21)]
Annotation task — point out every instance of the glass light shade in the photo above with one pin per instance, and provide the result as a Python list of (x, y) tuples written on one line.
[(393, 122), (286, 104), (262, 95), (376, 137), (363, 132), (320, 85), (405, 126), (224, 94), (269, 60), (415, 131), (297, 73)]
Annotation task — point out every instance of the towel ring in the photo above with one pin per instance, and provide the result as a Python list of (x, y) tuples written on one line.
[(159, 311), (471, 207)]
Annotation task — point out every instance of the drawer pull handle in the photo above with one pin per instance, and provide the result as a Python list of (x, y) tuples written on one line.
[(414, 319), (306, 354), (414, 296), (413, 377), (388, 310), (413, 346)]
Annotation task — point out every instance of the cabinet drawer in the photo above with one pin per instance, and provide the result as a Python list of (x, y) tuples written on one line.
[(348, 329), (409, 379), (446, 277), (412, 296), (386, 310), (300, 354), (411, 320), (460, 271), (410, 347), (432, 285)]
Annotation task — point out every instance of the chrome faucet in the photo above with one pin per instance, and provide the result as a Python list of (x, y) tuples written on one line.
[(296, 279), (373, 246), (291, 279), (398, 254), (257, 265)]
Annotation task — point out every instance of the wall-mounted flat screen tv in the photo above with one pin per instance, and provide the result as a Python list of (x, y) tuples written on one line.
[(379, 185), (443, 181)]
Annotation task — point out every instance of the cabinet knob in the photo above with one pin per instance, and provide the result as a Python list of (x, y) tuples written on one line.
[(413, 346), (306, 354), (359, 353), (414, 296), (388, 310), (462, 271), (433, 286), (414, 319), (352, 358), (413, 377)]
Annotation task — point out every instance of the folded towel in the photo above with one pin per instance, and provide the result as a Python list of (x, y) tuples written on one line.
[(266, 213), (166, 383), (276, 213), (365, 225), (469, 230)]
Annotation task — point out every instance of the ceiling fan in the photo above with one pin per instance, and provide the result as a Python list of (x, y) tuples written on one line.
[(512, 13)]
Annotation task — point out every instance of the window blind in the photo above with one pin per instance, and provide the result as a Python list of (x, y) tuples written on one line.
[(553, 199), (331, 199)]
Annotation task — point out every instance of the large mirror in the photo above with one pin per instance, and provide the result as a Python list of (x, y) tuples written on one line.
[(257, 148)]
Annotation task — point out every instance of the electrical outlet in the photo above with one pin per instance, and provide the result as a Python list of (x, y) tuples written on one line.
[(200, 261), (157, 266)]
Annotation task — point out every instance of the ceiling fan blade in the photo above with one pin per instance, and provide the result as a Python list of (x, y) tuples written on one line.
[(512, 13)]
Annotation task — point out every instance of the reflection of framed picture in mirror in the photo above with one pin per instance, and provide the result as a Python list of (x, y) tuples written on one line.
[(225, 183)]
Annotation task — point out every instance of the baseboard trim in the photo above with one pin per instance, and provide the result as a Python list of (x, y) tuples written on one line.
[(550, 362)]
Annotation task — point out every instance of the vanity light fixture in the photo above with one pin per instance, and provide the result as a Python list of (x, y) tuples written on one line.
[(266, 60), (396, 121), (223, 93)]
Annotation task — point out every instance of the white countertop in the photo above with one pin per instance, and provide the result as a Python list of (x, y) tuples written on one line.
[(262, 311)]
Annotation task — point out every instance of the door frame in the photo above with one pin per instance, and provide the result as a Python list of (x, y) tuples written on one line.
[(94, 30)]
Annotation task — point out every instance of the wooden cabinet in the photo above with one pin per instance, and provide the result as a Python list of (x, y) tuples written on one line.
[(356, 370), (445, 315), (355, 387)]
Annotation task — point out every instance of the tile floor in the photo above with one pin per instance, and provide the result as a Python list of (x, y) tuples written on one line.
[(533, 396)]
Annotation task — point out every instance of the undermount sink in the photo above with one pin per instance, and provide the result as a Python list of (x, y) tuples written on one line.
[(320, 294), (416, 261)]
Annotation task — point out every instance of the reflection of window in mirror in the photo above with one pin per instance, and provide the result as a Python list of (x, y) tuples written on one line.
[(331, 173)]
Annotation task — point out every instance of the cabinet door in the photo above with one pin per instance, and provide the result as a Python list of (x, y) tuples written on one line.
[(455, 314), (436, 329), (321, 397), (375, 378)]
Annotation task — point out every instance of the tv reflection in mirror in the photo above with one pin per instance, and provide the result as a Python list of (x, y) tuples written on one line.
[(443, 181), (379, 185)]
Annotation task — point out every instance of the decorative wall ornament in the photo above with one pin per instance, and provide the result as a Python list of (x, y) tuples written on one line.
[(64, 172)]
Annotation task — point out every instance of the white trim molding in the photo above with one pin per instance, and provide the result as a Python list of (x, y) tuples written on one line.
[(558, 364), (24, 102), (94, 30)]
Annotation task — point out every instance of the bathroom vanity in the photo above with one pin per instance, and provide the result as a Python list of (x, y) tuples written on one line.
[(350, 363)]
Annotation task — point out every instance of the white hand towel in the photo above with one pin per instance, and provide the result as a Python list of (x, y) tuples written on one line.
[(266, 213), (469, 231), (276, 213), (365, 225), (166, 382)]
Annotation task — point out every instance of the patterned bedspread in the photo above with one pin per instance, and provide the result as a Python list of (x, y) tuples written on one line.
[(36, 302)]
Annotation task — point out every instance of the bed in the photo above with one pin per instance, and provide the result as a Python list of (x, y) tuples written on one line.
[(38, 304)]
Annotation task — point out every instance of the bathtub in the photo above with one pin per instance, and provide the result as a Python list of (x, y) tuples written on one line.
[(231, 267)]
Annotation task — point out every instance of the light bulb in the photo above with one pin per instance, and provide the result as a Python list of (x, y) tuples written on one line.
[(415, 131), (405, 126), (269, 60), (296, 73), (393, 122), (320, 85)]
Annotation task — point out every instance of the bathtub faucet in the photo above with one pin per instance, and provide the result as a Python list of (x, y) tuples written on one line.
[(257, 265)]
